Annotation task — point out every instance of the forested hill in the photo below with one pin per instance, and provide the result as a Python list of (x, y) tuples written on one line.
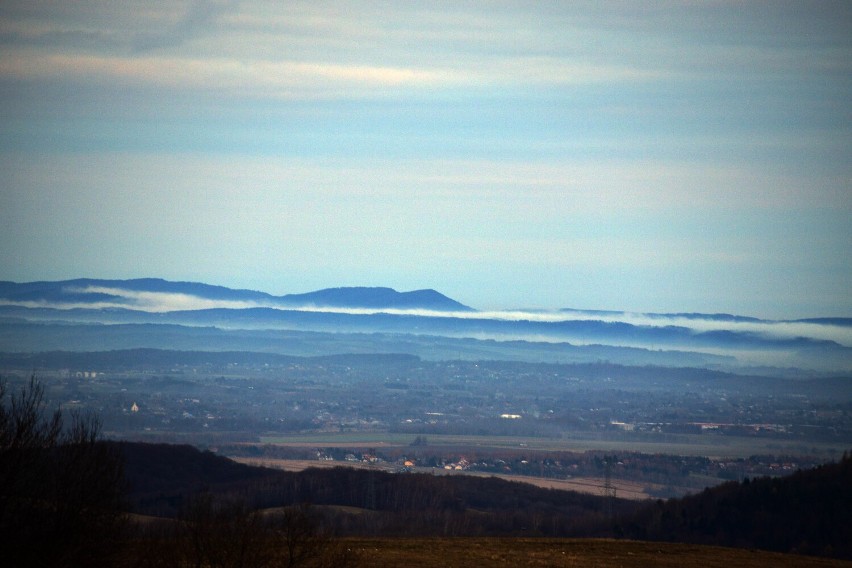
[(809, 512), (163, 478)]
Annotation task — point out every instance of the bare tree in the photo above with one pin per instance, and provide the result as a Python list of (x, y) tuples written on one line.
[(300, 541), (222, 533), (60, 488)]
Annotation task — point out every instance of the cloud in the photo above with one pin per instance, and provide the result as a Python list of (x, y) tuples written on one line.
[(469, 44), (155, 301), (301, 52), (776, 329), (197, 19), (270, 78)]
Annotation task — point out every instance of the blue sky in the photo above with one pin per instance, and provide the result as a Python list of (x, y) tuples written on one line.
[(675, 156)]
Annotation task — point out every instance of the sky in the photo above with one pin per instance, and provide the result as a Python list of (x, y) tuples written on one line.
[(651, 157)]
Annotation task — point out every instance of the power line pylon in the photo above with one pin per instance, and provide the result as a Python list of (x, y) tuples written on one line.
[(609, 489)]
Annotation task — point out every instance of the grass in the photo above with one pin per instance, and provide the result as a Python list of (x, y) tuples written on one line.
[(586, 553)]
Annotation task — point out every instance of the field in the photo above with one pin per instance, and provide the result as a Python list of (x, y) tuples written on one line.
[(635, 484), (585, 553), (591, 485), (678, 444)]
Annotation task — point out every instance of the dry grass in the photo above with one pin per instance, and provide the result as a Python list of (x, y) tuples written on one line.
[(585, 553)]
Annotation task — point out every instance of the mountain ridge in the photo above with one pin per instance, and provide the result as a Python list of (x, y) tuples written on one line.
[(354, 313), (91, 291)]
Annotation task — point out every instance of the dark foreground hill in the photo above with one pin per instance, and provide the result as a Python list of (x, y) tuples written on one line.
[(809, 512)]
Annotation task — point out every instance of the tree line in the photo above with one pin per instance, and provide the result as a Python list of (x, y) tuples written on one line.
[(808, 512)]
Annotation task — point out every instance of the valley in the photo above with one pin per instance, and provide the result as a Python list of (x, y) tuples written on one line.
[(671, 431)]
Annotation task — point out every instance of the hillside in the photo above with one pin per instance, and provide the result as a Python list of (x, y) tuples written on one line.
[(163, 478), (809, 512)]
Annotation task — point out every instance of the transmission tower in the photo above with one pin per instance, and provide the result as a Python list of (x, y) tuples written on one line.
[(609, 489)]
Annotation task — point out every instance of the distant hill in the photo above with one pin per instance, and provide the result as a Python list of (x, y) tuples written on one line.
[(374, 298), (124, 293), (79, 290), (809, 512), (844, 322), (729, 318), (170, 315)]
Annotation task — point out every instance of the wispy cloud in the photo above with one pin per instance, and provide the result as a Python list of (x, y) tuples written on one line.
[(697, 323), (303, 52), (323, 50), (259, 78), (199, 16), (155, 301)]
